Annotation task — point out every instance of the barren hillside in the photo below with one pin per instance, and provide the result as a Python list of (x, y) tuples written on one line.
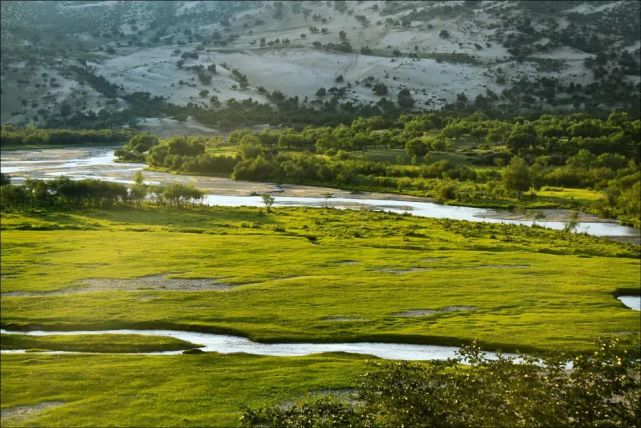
[(106, 62)]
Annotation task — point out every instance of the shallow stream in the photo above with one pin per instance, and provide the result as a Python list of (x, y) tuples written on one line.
[(226, 344)]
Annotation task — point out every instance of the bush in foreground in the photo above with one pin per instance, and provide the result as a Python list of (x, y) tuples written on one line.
[(601, 389)]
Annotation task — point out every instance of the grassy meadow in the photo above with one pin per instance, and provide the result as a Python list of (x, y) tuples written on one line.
[(153, 391), (316, 275), (107, 343), (295, 274)]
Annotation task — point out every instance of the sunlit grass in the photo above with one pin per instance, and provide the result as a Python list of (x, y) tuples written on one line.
[(95, 343), (183, 390), (318, 275)]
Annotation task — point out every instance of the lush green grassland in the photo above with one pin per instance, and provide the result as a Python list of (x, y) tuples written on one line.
[(183, 390), (294, 274), (95, 343), (318, 275)]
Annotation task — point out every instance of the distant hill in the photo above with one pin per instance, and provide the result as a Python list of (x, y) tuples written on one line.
[(115, 61)]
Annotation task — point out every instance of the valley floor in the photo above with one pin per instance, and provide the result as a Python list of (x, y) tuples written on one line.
[(294, 274)]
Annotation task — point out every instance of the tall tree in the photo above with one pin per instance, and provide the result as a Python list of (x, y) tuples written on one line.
[(517, 177)]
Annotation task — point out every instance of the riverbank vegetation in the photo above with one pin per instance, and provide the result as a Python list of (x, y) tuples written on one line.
[(462, 160), (63, 192), (15, 137)]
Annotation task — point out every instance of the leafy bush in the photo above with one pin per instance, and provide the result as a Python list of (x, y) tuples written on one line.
[(601, 389)]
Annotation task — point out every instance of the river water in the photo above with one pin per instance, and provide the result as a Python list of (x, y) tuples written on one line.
[(226, 344), (632, 302), (88, 162)]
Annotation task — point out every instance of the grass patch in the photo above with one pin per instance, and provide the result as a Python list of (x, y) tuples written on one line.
[(107, 343), (530, 287), (150, 391)]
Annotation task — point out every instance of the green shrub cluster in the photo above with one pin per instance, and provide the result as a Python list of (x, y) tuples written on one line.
[(10, 135), (64, 192), (601, 389)]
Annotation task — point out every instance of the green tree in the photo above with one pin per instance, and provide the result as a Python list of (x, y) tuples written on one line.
[(249, 150), (417, 147), (138, 191), (516, 176), (268, 200), (571, 223), (519, 141)]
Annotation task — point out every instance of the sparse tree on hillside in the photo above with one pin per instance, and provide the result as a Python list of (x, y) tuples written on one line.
[(380, 89), (340, 6), (405, 99)]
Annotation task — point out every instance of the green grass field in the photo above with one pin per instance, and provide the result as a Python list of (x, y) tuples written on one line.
[(107, 343), (296, 274), (153, 391)]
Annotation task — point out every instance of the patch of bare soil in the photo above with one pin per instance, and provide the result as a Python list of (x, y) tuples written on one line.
[(346, 262), (553, 214), (421, 269), (423, 312), (404, 271), (342, 318), (347, 395), (144, 283), (497, 267), (153, 282), (24, 412), (635, 240)]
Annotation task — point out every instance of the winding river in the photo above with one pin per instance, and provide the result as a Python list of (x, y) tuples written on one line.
[(226, 344), (92, 162)]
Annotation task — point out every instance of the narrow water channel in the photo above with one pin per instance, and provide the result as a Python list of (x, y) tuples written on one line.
[(226, 344)]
